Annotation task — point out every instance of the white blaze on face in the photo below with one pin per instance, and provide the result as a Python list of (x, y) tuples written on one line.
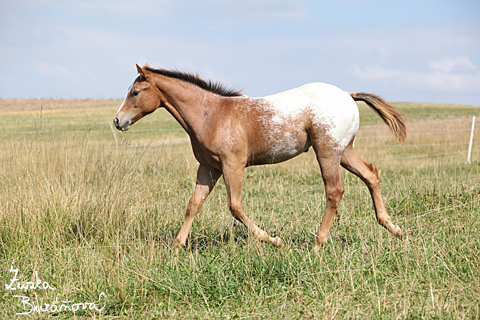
[(124, 118), (123, 103)]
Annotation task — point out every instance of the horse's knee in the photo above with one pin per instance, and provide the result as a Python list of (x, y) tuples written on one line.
[(194, 205)]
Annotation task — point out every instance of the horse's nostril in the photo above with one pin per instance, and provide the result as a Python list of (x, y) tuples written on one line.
[(115, 122)]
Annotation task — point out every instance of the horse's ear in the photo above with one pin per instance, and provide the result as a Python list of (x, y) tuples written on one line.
[(146, 65), (141, 71)]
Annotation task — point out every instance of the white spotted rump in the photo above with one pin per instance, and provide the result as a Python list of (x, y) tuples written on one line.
[(285, 117)]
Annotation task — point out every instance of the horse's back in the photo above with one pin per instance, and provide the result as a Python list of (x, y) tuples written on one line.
[(316, 91), (318, 97)]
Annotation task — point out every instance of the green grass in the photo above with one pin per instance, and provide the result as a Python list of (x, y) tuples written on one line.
[(91, 218), (84, 118)]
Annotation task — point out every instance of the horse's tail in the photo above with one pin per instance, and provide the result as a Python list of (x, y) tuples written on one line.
[(389, 115)]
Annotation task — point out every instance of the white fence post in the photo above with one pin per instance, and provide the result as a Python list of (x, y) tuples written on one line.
[(471, 141)]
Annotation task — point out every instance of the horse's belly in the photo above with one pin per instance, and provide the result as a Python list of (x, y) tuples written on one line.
[(280, 148)]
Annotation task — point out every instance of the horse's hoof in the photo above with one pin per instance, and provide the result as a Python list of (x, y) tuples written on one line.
[(398, 232), (177, 248), (277, 242)]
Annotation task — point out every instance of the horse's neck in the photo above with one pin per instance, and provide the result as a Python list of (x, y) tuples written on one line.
[(188, 105)]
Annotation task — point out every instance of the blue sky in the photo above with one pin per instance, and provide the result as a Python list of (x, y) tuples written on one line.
[(410, 50)]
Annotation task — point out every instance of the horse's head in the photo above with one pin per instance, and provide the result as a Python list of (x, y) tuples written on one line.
[(142, 98)]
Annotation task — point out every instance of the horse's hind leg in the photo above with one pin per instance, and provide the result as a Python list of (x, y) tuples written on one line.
[(330, 167), (368, 173)]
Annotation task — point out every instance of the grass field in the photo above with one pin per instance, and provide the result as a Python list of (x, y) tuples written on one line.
[(87, 216)]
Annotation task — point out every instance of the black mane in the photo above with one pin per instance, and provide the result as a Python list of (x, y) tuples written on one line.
[(214, 87)]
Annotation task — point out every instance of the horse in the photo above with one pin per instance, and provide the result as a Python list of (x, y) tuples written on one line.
[(230, 131)]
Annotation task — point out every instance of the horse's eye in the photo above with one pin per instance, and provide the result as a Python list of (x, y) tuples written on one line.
[(135, 93)]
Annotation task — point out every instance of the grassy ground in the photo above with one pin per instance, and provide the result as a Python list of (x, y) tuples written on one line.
[(89, 217)]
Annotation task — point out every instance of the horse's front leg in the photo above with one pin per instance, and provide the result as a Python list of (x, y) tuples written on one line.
[(206, 179), (233, 176)]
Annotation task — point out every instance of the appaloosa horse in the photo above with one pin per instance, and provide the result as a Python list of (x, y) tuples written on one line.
[(230, 131)]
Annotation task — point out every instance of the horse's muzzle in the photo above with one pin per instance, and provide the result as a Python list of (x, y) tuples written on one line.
[(123, 127)]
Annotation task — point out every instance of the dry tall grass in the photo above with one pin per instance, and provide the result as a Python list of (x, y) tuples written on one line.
[(91, 218)]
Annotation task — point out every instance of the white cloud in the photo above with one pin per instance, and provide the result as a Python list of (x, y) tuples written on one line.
[(448, 74), (264, 46), (187, 9), (459, 64), (47, 70), (384, 54), (374, 72)]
